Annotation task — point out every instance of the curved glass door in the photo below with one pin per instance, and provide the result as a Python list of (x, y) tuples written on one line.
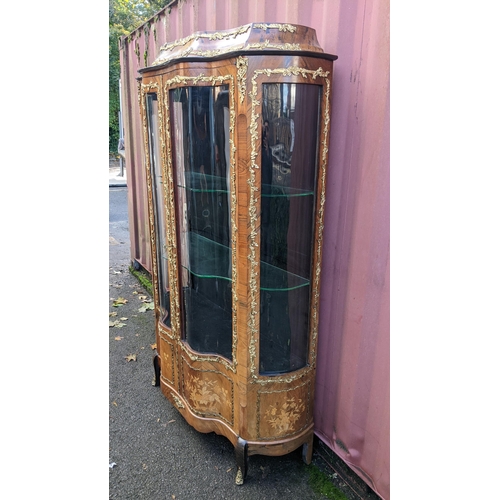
[(200, 138), (290, 125), (158, 196)]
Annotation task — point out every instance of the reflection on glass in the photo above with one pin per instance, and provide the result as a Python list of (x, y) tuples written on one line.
[(159, 208), (200, 122), (290, 123)]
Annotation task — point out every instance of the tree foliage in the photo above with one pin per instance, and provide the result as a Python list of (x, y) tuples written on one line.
[(124, 17)]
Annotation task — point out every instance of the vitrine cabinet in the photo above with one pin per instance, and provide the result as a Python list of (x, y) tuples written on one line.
[(236, 129)]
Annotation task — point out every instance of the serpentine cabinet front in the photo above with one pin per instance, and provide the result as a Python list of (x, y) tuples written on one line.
[(236, 132)]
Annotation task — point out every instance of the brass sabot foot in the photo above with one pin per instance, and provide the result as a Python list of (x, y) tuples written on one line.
[(239, 477)]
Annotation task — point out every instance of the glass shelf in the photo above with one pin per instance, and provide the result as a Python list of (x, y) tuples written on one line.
[(273, 278), (203, 183), (272, 191), (209, 259)]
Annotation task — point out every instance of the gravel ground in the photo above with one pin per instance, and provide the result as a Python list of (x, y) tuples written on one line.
[(157, 454)]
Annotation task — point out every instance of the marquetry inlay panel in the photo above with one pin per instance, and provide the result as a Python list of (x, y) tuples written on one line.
[(209, 393), (282, 412)]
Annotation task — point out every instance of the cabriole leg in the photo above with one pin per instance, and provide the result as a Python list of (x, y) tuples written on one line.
[(241, 450), (156, 365)]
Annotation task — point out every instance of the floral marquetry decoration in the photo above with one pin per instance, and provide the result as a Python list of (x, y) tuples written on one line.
[(205, 394), (283, 418), (208, 393), (283, 413)]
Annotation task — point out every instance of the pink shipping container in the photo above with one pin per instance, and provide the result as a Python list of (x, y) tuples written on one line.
[(352, 380)]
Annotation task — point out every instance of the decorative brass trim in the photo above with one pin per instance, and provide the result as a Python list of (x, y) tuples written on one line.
[(281, 27), (218, 52), (189, 46), (321, 213), (278, 46), (172, 83), (165, 331), (162, 58), (211, 36), (207, 357), (143, 90), (163, 156), (242, 65), (254, 235), (253, 328), (194, 80), (294, 71), (177, 400), (168, 187), (200, 53)]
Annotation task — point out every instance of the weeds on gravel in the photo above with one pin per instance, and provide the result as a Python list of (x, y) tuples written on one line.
[(321, 484), (143, 279)]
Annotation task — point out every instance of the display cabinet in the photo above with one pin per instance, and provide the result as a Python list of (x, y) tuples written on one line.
[(236, 129)]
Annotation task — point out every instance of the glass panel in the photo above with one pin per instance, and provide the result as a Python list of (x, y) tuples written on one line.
[(163, 290), (290, 124), (200, 122)]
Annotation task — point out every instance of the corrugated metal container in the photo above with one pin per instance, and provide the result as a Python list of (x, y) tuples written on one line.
[(352, 385)]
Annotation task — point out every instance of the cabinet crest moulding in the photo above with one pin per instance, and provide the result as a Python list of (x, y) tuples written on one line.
[(250, 38), (217, 35), (280, 27)]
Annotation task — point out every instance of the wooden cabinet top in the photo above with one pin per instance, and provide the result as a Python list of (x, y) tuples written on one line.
[(253, 38)]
